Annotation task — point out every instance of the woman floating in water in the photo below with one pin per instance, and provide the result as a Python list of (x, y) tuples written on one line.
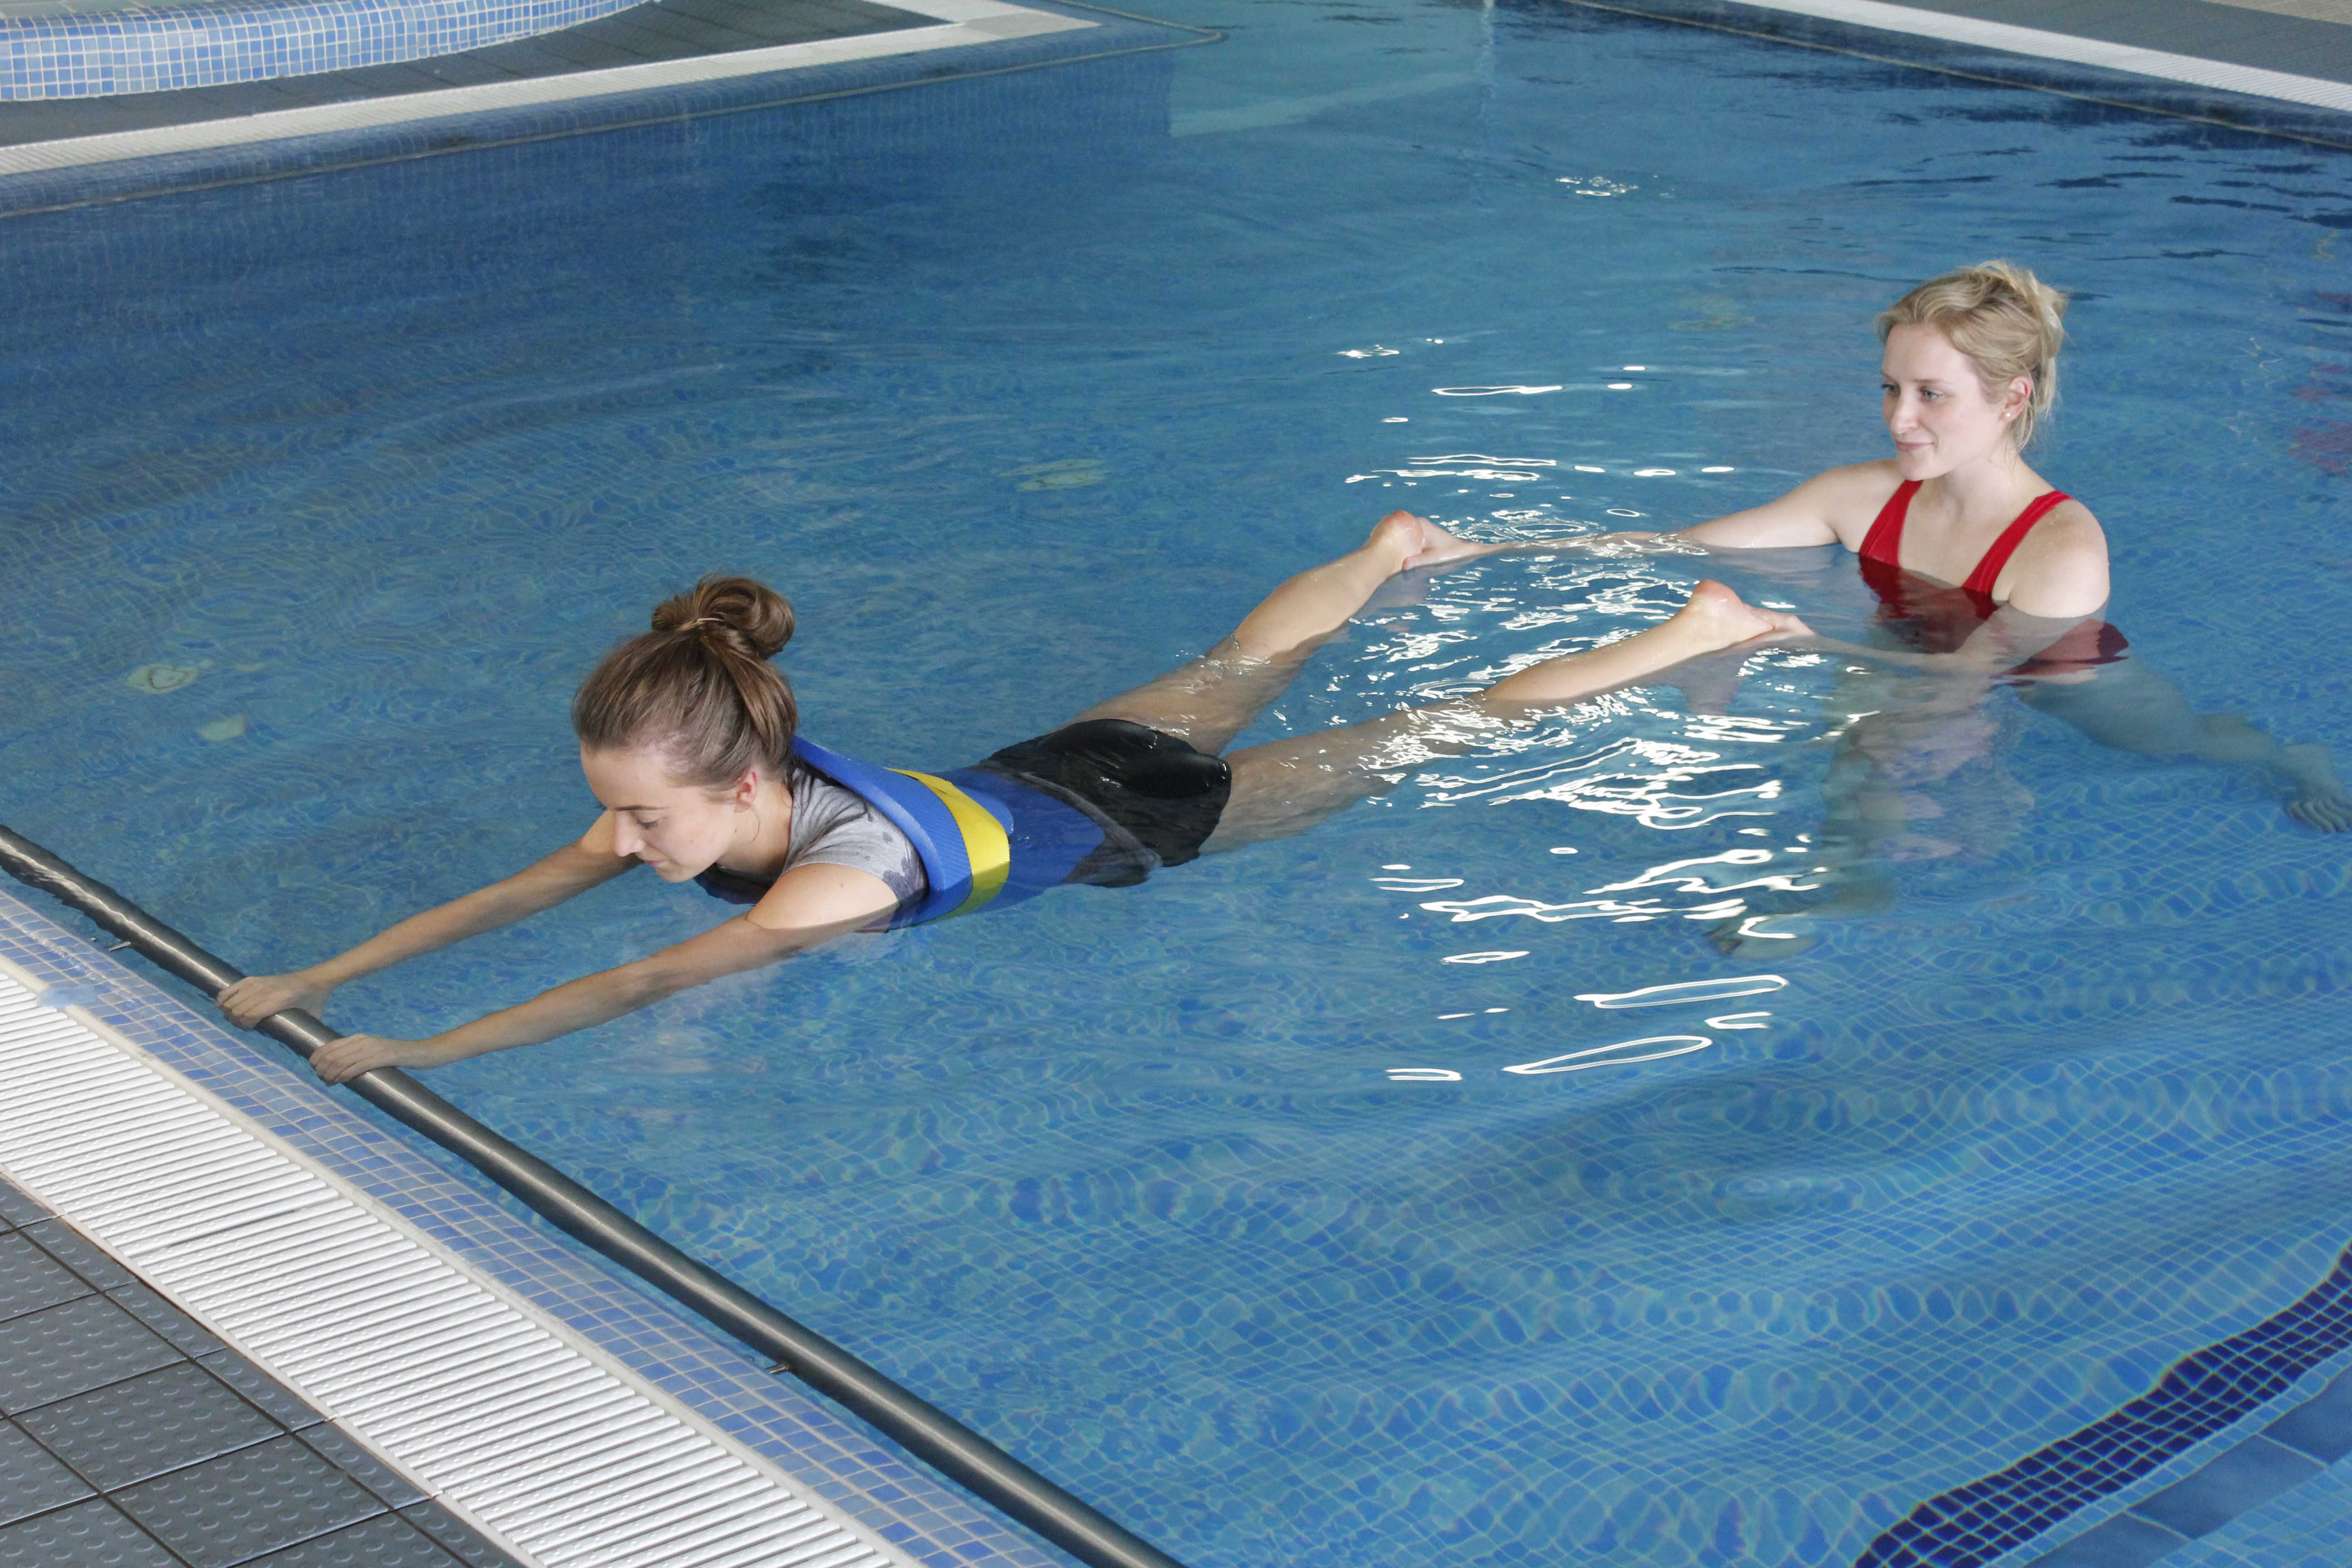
[(688, 738), (1985, 571)]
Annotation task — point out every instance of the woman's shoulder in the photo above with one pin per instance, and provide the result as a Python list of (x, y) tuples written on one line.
[(2061, 567), (1876, 478), (1850, 498), (2068, 528)]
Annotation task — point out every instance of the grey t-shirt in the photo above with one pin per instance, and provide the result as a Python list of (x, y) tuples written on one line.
[(833, 827)]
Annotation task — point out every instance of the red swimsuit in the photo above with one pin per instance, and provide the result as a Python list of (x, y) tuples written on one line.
[(1936, 617)]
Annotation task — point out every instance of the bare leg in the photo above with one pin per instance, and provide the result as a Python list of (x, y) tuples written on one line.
[(1284, 786), (1216, 697), (1862, 812), (2131, 708)]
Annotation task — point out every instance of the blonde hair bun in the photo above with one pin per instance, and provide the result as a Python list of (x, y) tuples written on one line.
[(2007, 320)]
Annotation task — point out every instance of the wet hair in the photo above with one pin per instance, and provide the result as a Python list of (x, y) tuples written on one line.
[(698, 687), (2005, 320)]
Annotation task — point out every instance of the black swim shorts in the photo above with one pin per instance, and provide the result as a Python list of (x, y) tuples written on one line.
[(1157, 798)]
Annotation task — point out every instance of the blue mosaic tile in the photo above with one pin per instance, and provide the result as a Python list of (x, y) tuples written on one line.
[(159, 48), (2241, 1479), (147, 48), (2321, 1427), (1938, 1406), (2121, 1543)]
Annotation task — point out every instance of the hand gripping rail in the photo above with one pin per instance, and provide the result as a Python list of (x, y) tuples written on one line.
[(937, 1439)]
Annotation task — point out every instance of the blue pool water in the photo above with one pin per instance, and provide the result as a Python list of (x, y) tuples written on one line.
[(1024, 390)]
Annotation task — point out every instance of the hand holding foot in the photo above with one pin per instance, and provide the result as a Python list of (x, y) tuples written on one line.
[(1716, 613), (1424, 543)]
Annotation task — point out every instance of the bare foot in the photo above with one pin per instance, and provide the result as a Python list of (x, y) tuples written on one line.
[(1423, 543), (2318, 799), (1724, 619)]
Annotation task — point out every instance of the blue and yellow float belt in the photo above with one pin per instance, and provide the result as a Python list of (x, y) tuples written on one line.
[(962, 840)]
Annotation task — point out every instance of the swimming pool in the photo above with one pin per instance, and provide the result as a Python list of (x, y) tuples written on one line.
[(1024, 389)]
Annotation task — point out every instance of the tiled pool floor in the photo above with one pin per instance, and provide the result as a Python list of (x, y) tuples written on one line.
[(129, 1435), (64, 1316)]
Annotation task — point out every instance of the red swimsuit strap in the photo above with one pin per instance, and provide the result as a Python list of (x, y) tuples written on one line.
[(1883, 543), (1988, 572)]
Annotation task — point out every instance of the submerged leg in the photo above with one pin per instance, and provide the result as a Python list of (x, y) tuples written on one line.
[(1863, 812), (1286, 785), (2130, 708), (1216, 697)]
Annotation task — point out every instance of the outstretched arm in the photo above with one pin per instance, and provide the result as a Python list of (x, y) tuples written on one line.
[(1833, 508), (569, 872), (807, 907), (2008, 639), (1815, 513)]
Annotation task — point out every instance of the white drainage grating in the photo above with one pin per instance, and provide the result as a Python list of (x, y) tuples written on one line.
[(534, 1437)]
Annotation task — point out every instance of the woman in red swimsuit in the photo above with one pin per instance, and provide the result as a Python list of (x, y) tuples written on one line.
[(1956, 527), (1986, 570), (1985, 575)]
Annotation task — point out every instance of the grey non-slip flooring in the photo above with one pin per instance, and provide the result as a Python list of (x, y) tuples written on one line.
[(660, 30), (129, 1438), (2207, 29)]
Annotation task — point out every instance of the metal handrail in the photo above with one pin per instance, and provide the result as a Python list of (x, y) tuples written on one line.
[(930, 1435)]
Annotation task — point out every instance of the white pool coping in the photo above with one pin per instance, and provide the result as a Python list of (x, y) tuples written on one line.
[(2192, 70), (525, 1429), (961, 23)]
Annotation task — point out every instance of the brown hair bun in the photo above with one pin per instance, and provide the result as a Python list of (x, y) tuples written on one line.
[(755, 615), (698, 687)]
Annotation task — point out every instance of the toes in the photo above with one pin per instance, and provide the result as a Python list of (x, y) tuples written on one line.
[(2329, 814)]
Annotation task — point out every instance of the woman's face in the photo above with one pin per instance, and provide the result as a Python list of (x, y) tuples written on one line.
[(1936, 409), (679, 830)]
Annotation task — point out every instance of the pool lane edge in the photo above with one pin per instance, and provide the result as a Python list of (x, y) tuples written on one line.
[(845, 1472)]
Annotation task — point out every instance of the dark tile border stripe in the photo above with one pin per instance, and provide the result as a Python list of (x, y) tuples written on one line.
[(2204, 1395)]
